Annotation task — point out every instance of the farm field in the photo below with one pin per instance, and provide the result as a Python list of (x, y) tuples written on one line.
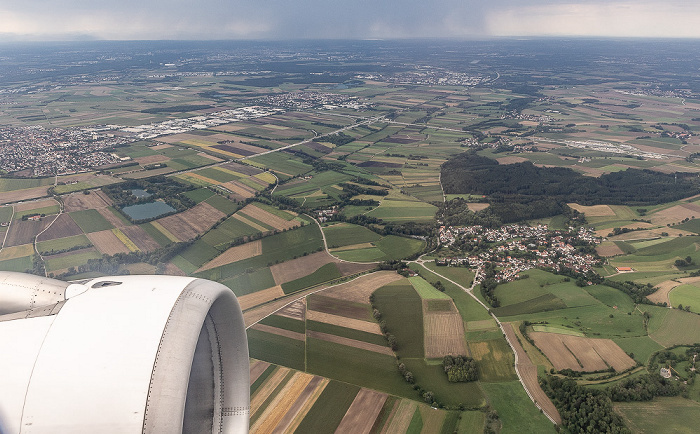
[(661, 415), (581, 354), (322, 363)]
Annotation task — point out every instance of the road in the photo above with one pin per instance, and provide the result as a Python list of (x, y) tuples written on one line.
[(547, 406)]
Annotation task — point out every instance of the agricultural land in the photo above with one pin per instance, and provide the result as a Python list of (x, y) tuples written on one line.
[(429, 238)]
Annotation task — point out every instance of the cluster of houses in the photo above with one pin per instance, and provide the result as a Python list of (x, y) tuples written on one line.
[(36, 151), (516, 248), (304, 100)]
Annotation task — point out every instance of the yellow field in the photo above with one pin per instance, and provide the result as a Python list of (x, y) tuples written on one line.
[(16, 252), (124, 239), (267, 177)]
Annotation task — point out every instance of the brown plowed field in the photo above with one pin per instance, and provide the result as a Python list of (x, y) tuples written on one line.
[(141, 238), (280, 332), (528, 373), (401, 418), (243, 219), (365, 326), (172, 270), (234, 254), (350, 342), (334, 306), (296, 310), (266, 389), (110, 217), (107, 243), (443, 334), (675, 214), (257, 367), (348, 268), (661, 295), (281, 403), (510, 160), (26, 206), (291, 420), (239, 191), (564, 350), (608, 249), (80, 201), (195, 221), (251, 300), (360, 289), (26, 194), (23, 232), (268, 218), (362, 413), (64, 226), (594, 210), (300, 267)]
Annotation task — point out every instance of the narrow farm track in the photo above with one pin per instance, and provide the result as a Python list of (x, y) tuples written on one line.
[(523, 365)]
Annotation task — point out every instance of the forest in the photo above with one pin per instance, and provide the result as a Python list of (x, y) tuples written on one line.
[(523, 191)]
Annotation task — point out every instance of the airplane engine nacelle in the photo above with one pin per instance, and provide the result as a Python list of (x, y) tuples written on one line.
[(122, 354)]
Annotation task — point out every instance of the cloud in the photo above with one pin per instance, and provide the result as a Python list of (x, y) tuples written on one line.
[(351, 19), (616, 19)]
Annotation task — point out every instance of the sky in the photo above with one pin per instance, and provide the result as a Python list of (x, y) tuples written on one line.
[(346, 19)]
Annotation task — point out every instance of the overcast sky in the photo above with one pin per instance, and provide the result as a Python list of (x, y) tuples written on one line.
[(346, 19)]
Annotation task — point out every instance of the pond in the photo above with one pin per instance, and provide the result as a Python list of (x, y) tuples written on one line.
[(139, 193), (147, 210)]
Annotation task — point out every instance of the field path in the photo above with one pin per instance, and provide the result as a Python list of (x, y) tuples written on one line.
[(325, 244), (528, 373), (552, 414)]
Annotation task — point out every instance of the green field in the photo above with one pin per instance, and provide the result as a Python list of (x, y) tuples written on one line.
[(47, 247), (199, 194), (283, 322), (345, 332), (425, 290), (403, 210), (276, 349), (432, 377), (641, 347), (90, 221), (518, 414), (356, 366), (47, 210), (495, 358), (222, 204), (71, 260), (275, 249), (328, 410), (678, 327), (11, 184), (397, 302), (662, 415), (688, 296), (390, 247), (247, 283), (323, 274), (21, 265), (345, 234), (282, 162), (199, 253)]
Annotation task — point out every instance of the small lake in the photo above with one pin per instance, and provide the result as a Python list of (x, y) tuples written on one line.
[(139, 193), (147, 210)]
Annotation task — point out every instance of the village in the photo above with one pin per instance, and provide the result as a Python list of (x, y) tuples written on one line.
[(516, 248), (37, 151)]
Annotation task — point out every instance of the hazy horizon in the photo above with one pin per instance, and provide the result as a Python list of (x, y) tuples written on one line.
[(358, 19)]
